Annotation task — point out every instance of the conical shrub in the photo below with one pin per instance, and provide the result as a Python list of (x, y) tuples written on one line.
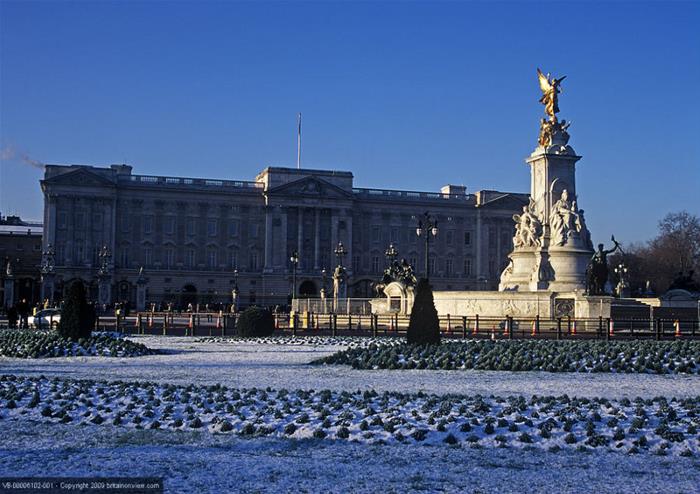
[(424, 325), (77, 317)]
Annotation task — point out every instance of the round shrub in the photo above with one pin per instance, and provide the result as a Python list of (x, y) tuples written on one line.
[(256, 321)]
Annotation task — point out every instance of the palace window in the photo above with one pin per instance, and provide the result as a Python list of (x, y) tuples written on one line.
[(448, 267), (97, 221), (80, 220), (233, 258), (148, 256), (233, 228), (467, 238), (169, 225), (450, 237), (212, 258), (211, 227), (376, 234), (124, 257), (190, 226), (191, 258), (148, 224), (375, 264), (253, 261), (254, 230), (61, 219), (467, 267), (169, 257)]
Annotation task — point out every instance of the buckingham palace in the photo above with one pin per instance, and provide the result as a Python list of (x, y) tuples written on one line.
[(195, 239)]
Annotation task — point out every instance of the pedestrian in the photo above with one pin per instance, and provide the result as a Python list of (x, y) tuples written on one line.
[(23, 312), (12, 317)]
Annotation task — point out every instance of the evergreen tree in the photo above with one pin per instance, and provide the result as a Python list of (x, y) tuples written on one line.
[(424, 325), (77, 318)]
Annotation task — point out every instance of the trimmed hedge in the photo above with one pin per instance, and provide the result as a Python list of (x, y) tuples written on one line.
[(424, 325), (255, 321), (77, 317)]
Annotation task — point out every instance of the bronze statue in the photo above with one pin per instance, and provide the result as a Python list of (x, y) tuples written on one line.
[(598, 269), (550, 89)]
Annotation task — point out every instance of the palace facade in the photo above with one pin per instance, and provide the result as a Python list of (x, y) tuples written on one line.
[(197, 238)]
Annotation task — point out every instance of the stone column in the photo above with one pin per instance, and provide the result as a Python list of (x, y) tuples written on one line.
[(334, 234), (479, 236), (50, 233), (283, 245), (317, 240), (348, 227), (268, 238), (300, 236)]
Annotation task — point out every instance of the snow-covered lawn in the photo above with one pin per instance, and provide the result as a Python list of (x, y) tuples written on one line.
[(246, 365), (195, 461), (369, 431)]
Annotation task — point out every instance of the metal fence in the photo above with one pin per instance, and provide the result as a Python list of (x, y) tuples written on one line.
[(310, 323)]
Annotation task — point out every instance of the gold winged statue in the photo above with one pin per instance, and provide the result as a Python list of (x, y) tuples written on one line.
[(550, 89)]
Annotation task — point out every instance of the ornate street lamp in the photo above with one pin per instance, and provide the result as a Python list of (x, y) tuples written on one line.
[(391, 253), (105, 258), (235, 291), (323, 283), (340, 252), (622, 287), (47, 260), (294, 259), (427, 227)]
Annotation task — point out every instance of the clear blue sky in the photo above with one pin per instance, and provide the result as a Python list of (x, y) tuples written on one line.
[(404, 95)]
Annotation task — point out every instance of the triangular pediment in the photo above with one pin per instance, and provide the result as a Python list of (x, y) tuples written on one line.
[(80, 176), (507, 201), (312, 187)]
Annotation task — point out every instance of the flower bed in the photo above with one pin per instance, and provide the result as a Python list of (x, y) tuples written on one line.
[(42, 344), (539, 355), (658, 425), (349, 341)]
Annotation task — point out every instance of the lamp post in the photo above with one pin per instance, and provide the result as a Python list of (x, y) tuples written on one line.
[(294, 259), (323, 284), (340, 252), (104, 276), (235, 291), (428, 227), (391, 253), (622, 287), (47, 273)]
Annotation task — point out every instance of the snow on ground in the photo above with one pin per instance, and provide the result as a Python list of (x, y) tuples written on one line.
[(202, 462), (657, 426), (206, 460), (246, 365)]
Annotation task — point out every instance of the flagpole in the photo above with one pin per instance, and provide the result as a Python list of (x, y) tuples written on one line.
[(299, 141)]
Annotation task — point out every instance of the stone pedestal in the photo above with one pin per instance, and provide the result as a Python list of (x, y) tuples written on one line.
[(141, 296), (552, 246), (48, 286), (105, 290), (9, 291)]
